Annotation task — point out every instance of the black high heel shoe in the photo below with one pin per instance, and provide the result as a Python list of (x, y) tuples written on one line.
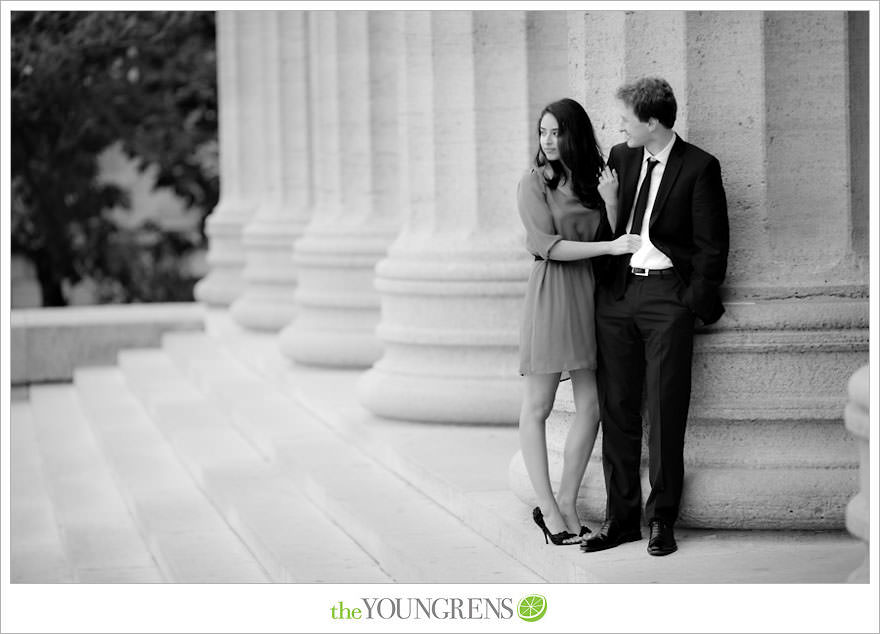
[(558, 539)]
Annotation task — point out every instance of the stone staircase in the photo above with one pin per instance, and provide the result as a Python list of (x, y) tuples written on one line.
[(213, 459)]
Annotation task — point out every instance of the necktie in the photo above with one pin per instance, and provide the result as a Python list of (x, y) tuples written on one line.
[(642, 200)]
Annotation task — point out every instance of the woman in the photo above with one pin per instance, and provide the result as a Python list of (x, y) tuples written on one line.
[(561, 208)]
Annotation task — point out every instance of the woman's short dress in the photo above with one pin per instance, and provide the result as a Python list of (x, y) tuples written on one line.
[(558, 330)]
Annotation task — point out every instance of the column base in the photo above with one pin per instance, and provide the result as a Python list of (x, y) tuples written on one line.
[(337, 305), (858, 423), (862, 574), (441, 399), (764, 447), (450, 326), (224, 282), (220, 287), (262, 309), (786, 498), (351, 348), (269, 275)]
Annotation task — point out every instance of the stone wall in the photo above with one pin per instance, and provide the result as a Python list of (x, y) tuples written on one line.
[(47, 344)]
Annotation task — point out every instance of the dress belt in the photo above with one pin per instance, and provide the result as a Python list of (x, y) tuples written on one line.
[(637, 271)]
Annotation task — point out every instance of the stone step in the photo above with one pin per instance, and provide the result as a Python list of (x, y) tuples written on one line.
[(100, 537), (256, 407), (462, 468), (475, 488), (36, 554), (292, 540), (465, 470), (414, 539), (449, 464), (190, 539), (288, 534)]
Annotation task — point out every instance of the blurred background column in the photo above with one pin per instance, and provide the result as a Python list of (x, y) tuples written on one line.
[(858, 423), (239, 62), (324, 156), (453, 282), (764, 92), (267, 302), (337, 305)]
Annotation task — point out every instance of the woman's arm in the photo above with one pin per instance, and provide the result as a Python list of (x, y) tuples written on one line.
[(535, 214), (542, 238), (569, 250)]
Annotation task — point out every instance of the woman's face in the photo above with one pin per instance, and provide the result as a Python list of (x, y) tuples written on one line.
[(548, 130)]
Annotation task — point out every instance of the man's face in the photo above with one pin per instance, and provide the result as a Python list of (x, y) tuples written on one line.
[(637, 132)]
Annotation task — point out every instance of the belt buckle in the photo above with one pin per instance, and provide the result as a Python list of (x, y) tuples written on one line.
[(639, 272)]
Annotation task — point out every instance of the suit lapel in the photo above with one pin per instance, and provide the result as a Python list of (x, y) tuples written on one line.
[(628, 188), (670, 173)]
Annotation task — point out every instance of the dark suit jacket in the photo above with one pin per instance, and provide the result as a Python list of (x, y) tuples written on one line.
[(688, 223)]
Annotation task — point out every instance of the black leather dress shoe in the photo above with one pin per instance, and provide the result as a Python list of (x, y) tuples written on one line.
[(662, 539), (609, 536)]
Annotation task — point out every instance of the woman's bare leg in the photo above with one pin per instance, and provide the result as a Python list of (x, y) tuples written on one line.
[(578, 445), (538, 398)]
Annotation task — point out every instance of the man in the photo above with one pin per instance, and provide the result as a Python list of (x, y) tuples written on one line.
[(669, 192)]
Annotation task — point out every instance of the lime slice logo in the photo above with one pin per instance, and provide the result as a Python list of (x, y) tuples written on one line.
[(532, 608)]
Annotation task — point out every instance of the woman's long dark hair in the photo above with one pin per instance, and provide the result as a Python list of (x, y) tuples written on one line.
[(578, 150)]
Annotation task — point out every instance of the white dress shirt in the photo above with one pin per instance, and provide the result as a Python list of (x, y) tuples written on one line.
[(649, 256)]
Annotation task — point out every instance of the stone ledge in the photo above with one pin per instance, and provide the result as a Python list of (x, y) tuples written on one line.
[(48, 343), (820, 313)]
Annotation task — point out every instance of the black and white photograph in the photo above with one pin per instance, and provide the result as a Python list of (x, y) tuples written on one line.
[(442, 316)]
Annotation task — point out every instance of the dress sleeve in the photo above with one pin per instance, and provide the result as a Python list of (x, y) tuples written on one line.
[(535, 215)]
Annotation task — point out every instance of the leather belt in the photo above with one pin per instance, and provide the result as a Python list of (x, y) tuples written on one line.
[(646, 272)]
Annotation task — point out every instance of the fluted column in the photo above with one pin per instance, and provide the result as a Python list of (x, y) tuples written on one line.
[(608, 47), (453, 282), (764, 446), (858, 423), (324, 153), (547, 65), (267, 302), (237, 46), (596, 66), (338, 307), (774, 368)]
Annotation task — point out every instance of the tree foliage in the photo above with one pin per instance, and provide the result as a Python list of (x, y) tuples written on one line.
[(80, 82)]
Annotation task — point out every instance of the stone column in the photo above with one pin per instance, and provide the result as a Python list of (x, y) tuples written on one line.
[(607, 48), (269, 273), (596, 66), (547, 64), (858, 423), (859, 84), (338, 308), (453, 282), (238, 39), (324, 153), (764, 447)]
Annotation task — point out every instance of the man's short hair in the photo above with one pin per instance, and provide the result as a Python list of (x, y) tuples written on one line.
[(650, 97)]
